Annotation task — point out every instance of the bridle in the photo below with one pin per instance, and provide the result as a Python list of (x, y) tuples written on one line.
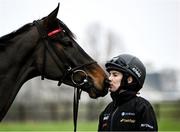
[(69, 70), (53, 52)]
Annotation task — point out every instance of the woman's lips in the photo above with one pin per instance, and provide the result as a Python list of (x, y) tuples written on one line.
[(110, 86)]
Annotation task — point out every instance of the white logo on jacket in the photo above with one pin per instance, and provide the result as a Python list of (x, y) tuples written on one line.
[(127, 114), (106, 116), (147, 125)]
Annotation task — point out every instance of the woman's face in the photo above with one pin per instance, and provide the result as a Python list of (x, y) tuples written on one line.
[(115, 78)]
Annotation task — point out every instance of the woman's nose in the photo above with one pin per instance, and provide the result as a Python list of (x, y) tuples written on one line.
[(110, 77)]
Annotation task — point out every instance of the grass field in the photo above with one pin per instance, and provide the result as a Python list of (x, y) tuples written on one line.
[(167, 115), (164, 125)]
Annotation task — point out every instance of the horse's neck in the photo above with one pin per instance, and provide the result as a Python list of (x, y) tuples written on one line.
[(16, 60), (14, 72)]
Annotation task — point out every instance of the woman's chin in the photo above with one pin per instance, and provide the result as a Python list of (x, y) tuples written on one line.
[(111, 90)]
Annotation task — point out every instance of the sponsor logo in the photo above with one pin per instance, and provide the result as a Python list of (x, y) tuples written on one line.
[(137, 71), (104, 125), (128, 120), (106, 116), (127, 114), (147, 125)]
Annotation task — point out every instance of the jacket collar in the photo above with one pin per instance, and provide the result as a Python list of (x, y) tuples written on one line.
[(122, 96)]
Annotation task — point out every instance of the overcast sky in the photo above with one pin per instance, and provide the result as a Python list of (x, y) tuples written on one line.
[(149, 29)]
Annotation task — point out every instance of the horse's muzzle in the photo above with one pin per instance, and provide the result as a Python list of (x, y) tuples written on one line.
[(106, 86), (93, 91)]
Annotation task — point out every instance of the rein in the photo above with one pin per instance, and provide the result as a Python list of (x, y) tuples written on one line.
[(68, 71)]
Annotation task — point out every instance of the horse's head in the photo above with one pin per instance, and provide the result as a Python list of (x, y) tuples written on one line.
[(59, 57)]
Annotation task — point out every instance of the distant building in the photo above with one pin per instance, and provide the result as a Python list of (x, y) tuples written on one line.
[(162, 85)]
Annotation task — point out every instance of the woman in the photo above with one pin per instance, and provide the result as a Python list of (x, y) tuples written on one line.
[(127, 111)]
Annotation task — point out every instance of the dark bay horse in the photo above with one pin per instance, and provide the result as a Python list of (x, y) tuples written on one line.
[(46, 48)]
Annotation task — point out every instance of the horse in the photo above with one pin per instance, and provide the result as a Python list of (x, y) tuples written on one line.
[(46, 48)]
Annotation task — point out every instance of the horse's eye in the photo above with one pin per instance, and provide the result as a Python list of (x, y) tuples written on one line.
[(66, 41), (69, 43), (61, 38)]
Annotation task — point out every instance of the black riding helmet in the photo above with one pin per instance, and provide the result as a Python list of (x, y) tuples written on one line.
[(128, 64)]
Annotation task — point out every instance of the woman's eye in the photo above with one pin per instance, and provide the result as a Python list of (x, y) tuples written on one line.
[(115, 75)]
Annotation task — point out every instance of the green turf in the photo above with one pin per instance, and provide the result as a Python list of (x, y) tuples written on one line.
[(164, 125), (169, 125), (47, 126)]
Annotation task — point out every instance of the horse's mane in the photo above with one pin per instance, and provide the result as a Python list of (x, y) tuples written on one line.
[(11, 35), (4, 39)]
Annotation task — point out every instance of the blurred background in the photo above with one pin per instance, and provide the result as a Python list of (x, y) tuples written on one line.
[(148, 29)]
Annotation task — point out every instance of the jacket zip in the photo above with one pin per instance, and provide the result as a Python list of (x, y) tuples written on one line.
[(112, 117)]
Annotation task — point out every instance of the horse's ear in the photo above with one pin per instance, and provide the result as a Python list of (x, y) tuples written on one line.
[(52, 16)]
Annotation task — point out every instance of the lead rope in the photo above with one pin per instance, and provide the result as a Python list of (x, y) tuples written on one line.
[(44, 63), (77, 95)]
